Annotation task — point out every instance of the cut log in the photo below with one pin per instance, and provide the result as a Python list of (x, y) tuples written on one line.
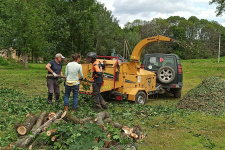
[(117, 125), (109, 136), (47, 124), (51, 132), (107, 143), (108, 120), (99, 117), (35, 142), (44, 129), (134, 135), (96, 139), (27, 125), (71, 118), (39, 121), (141, 137), (127, 130), (53, 138), (85, 120), (63, 115), (51, 115), (18, 143)]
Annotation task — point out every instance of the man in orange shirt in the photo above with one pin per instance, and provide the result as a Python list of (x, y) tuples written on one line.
[(98, 80)]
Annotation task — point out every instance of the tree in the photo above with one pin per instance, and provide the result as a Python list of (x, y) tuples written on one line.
[(108, 35), (23, 26), (220, 6)]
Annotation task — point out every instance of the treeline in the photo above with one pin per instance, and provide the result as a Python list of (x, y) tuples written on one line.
[(192, 38), (43, 28)]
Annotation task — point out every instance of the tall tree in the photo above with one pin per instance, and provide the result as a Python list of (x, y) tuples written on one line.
[(24, 26), (220, 6)]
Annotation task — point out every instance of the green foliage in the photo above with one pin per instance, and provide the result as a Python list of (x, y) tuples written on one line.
[(3, 62), (77, 136)]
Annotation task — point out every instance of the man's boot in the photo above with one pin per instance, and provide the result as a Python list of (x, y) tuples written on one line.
[(49, 100), (57, 97), (98, 106), (103, 102), (66, 108)]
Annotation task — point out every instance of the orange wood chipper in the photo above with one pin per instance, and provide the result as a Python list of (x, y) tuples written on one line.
[(126, 80)]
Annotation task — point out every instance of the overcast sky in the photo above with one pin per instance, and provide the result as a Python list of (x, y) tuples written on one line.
[(130, 10)]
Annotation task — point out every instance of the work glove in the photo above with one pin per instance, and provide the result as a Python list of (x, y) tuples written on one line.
[(54, 74), (81, 79)]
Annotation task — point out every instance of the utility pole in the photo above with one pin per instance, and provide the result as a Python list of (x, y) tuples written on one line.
[(219, 48)]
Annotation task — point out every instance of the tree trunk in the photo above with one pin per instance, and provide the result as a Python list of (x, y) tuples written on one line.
[(27, 125), (25, 60)]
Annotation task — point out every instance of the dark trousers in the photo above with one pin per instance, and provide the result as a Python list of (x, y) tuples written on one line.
[(53, 87), (98, 99)]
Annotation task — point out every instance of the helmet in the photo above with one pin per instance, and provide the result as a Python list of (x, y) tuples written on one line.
[(92, 55)]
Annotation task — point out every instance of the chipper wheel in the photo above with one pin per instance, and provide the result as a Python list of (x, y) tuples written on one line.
[(140, 98)]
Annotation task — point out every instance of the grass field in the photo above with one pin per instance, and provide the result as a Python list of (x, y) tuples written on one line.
[(168, 128)]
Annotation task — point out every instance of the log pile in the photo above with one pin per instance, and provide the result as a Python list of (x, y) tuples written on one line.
[(40, 126)]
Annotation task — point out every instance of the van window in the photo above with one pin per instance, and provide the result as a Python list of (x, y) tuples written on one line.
[(154, 63), (168, 61)]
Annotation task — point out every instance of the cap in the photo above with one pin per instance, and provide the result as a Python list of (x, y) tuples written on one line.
[(59, 55)]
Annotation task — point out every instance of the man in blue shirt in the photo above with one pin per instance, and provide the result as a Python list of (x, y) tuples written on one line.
[(54, 67)]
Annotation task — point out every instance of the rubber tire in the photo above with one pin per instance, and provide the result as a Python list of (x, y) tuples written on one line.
[(172, 74), (140, 98), (177, 93)]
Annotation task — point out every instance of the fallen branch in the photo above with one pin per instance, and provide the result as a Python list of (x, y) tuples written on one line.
[(75, 120), (39, 121)]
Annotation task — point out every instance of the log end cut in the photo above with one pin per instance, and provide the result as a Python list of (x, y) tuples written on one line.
[(21, 130)]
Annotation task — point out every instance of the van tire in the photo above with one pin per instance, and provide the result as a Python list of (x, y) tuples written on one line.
[(140, 98)]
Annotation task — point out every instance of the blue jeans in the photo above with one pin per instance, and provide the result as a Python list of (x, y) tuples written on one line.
[(68, 90)]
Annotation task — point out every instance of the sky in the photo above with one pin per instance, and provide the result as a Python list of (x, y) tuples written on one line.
[(130, 10)]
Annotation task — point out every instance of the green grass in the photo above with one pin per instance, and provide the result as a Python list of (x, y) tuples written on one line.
[(166, 128)]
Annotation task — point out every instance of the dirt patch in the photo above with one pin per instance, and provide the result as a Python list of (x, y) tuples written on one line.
[(209, 97)]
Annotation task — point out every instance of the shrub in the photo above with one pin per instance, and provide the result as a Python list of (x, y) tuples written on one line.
[(3, 62)]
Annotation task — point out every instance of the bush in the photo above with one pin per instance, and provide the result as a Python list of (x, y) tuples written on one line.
[(3, 62)]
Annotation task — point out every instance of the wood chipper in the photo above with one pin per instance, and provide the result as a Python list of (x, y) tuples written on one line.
[(126, 80)]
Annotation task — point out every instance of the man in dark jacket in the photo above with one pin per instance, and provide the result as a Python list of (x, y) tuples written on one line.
[(98, 80), (54, 67)]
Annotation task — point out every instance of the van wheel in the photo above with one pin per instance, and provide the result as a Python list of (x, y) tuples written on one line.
[(140, 98), (166, 74), (177, 93)]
